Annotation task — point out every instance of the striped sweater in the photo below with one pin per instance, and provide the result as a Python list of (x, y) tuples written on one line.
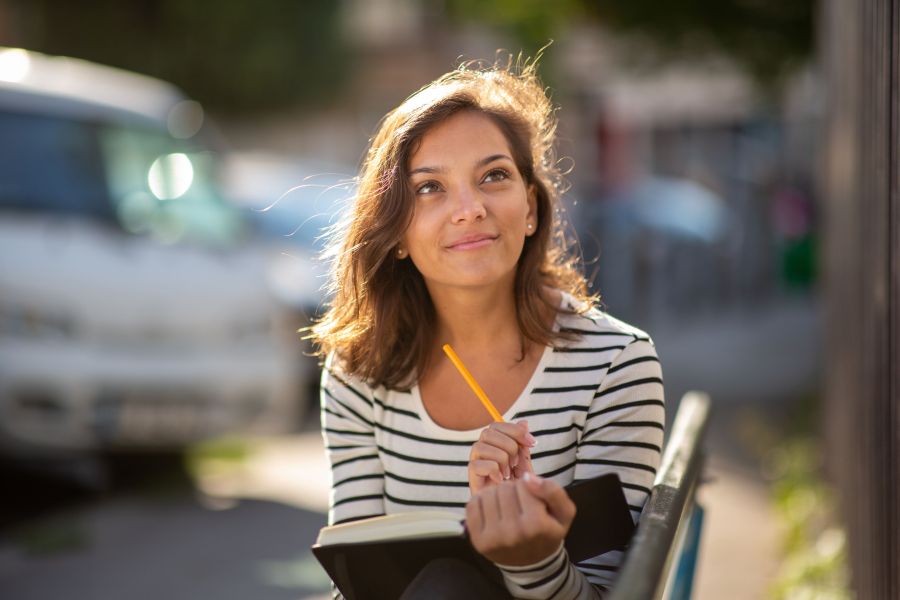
[(594, 404)]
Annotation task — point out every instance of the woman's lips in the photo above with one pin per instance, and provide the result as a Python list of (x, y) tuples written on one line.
[(472, 243)]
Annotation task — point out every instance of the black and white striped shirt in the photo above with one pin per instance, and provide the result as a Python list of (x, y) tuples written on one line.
[(595, 406)]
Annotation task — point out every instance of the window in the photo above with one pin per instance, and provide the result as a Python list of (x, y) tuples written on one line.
[(165, 187), (51, 165)]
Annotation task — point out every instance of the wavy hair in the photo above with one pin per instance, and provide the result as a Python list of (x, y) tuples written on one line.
[(380, 320)]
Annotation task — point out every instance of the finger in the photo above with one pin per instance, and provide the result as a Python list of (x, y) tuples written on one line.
[(531, 504), (484, 451), (485, 470), (509, 509), (509, 501), (523, 464), (534, 509), (515, 431), (474, 516), (490, 506), (503, 442), (530, 440), (534, 513), (500, 439), (476, 483), (559, 505)]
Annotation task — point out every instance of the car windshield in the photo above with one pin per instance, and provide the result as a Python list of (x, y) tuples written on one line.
[(165, 187), (51, 165), (140, 178)]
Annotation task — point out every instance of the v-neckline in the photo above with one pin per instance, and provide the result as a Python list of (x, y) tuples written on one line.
[(445, 432)]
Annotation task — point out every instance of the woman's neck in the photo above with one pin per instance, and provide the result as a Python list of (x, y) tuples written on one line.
[(477, 320)]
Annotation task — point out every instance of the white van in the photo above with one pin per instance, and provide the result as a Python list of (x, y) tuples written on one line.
[(133, 312)]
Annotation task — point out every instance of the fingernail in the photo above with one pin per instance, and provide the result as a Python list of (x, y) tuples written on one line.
[(529, 476), (532, 441)]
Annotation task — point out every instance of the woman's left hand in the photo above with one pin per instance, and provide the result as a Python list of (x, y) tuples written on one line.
[(519, 522)]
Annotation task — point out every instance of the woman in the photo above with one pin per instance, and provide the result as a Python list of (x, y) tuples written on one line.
[(456, 237)]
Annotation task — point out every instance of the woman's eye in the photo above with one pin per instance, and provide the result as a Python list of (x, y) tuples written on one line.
[(429, 187), (496, 175)]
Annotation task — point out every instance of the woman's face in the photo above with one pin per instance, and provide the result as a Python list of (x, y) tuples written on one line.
[(472, 208)]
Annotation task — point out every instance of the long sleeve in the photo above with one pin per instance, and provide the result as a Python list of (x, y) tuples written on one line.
[(622, 433), (553, 578), (357, 487)]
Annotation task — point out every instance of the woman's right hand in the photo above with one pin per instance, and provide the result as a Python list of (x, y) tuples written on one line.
[(503, 451)]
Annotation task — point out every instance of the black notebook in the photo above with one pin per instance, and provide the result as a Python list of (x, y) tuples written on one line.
[(377, 558)]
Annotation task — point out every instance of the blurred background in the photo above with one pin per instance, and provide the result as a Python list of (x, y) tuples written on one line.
[(167, 169)]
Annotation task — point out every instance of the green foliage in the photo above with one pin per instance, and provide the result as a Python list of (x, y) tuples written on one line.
[(238, 56), (815, 545), (228, 449), (231, 55), (216, 455), (532, 23), (767, 37)]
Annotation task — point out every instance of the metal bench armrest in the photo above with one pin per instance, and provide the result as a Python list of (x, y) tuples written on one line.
[(650, 559)]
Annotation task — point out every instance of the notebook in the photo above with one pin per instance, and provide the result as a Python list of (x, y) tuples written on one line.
[(377, 558)]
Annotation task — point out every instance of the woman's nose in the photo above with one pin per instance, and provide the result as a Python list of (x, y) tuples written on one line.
[(468, 205)]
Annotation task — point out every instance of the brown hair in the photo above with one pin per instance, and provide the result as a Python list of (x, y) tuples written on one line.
[(380, 321)]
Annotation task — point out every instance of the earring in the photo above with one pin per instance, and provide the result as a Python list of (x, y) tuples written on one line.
[(401, 253), (530, 227)]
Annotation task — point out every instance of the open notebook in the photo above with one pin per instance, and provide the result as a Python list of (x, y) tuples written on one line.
[(377, 558)]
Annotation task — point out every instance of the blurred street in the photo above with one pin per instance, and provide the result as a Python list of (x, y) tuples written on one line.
[(165, 537), (168, 179), (756, 367), (243, 531)]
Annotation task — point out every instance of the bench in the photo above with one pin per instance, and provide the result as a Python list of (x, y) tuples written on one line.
[(661, 558)]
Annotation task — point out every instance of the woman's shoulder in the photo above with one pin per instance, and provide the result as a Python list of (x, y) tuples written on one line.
[(617, 353), (335, 373), (590, 321)]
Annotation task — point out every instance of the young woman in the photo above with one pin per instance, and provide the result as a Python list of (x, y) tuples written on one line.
[(456, 237)]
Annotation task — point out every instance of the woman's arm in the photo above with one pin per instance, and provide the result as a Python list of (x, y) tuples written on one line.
[(520, 526), (357, 475), (623, 433)]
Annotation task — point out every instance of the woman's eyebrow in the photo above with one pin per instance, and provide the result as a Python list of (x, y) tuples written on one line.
[(488, 160), (484, 161)]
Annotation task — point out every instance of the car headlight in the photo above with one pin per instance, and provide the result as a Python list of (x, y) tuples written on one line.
[(32, 322)]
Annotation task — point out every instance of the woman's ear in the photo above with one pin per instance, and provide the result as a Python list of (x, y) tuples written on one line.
[(531, 217)]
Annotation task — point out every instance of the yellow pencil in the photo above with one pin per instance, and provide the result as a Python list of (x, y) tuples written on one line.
[(472, 383)]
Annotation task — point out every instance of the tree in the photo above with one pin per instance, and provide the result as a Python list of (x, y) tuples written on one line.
[(766, 37), (234, 56)]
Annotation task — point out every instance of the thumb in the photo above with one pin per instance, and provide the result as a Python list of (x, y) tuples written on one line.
[(558, 503)]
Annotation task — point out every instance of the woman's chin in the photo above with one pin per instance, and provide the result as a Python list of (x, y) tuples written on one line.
[(472, 280)]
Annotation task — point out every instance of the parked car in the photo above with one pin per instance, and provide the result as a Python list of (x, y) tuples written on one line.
[(134, 312), (291, 205)]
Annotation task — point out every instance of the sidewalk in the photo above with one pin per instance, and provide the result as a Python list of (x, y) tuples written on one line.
[(740, 549), (753, 366)]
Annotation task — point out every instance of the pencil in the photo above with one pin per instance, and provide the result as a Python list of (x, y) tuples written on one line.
[(472, 383)]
